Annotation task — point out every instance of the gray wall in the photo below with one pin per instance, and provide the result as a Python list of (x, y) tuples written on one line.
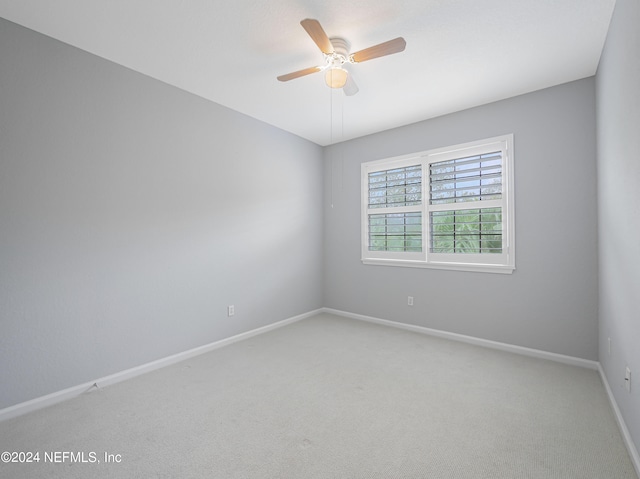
[(618, 107), (550, 301), (131, 215)]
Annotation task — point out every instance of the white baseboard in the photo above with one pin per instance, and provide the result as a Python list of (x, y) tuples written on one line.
[(536, 353), (59, 396), (628, 441)]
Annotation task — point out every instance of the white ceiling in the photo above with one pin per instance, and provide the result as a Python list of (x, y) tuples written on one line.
[(460, 53)]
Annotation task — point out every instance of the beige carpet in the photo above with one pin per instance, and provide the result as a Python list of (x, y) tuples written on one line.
[(329, 397)]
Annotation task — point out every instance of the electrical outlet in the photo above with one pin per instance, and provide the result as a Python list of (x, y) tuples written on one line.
[(231, 310), (410, 300), (627, 379)]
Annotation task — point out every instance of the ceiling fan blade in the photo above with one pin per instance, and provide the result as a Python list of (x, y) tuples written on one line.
[(299, 73), (317, 34), (350, 88), (387, 48)]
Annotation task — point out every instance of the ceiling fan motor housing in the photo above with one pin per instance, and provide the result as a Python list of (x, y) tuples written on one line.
[(340, 50)]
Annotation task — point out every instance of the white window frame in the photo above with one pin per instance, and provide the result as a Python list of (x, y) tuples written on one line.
[(503, 262)]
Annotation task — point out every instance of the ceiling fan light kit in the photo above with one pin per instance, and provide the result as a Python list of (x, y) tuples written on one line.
[(336, 77), (336, 54)]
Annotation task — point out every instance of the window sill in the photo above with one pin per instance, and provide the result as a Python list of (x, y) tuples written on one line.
[(472, 267)]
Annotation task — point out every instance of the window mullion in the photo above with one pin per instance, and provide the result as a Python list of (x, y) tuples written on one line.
[(469, 205), (395, 209)]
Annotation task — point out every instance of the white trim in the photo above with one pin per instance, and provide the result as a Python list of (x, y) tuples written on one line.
[(626, 435), (451, 152), (69, 393), (469, 267), (536, 353)]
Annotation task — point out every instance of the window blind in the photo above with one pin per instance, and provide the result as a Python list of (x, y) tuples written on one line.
[(473, 178), (466, 231), (396, 187), (393, 189), (395, 232)]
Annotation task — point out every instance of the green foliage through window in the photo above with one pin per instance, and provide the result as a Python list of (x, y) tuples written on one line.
[(466, 231)]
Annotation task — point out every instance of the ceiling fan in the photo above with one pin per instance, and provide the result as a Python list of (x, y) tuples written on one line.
[(336, 56)]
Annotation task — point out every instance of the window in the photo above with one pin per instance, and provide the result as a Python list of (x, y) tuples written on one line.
[(450, 208)]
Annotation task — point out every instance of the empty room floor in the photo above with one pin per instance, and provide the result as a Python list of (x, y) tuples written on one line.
[(330, 397)]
